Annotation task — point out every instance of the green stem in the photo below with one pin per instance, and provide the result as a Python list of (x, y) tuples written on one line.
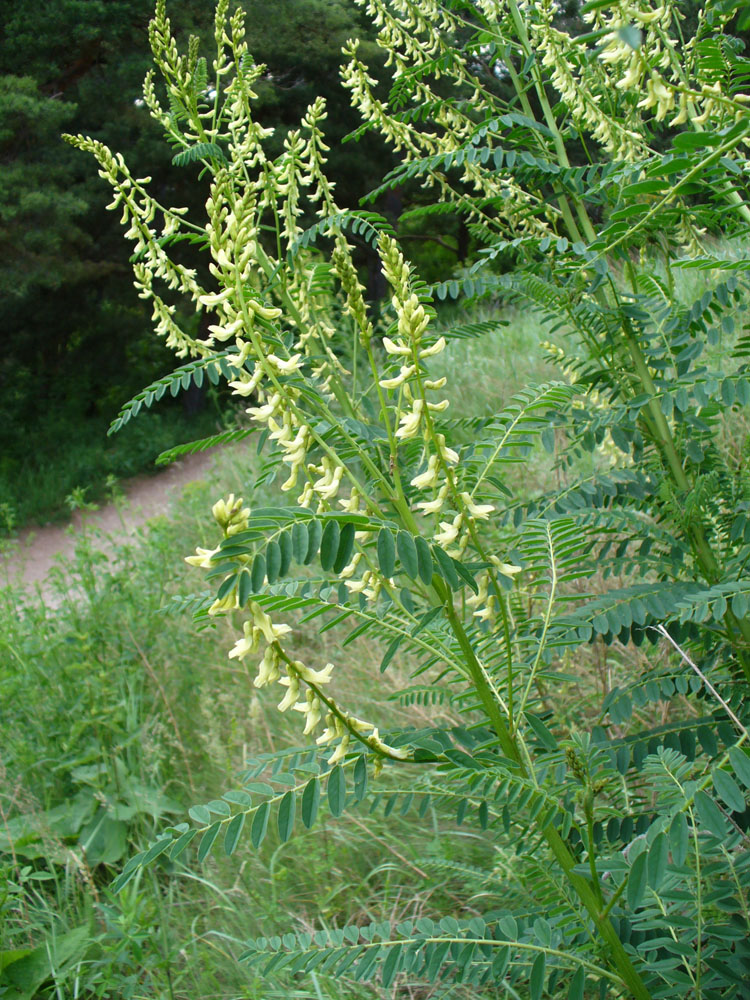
[(589, 810), (551, 122), (557, 845)]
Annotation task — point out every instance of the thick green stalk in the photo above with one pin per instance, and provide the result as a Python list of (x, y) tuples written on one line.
[(555, 842)]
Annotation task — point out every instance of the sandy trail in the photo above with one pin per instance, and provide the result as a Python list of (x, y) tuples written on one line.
[(29, 560)]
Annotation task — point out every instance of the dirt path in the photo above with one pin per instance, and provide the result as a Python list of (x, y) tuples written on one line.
[(29, 561)]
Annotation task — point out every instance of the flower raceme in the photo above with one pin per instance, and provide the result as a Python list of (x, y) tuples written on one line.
[(270, 309)]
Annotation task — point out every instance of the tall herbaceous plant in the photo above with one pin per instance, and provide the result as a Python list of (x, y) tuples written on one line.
[(597, 157)]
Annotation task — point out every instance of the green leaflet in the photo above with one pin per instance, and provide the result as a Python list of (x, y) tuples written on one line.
[(182, 843), (314, 536), (336, 790), (286, 552), (391, 965), (244, 588), (538, 976), (728, 790), (543, 734), (577, 986), (207, 840), (678, 838), (233, 833), (710, 816), (310, 802), (407, 553), (260, 824), (158, 848), (360, 778), (637, 881), (329, 545), (200, 814), (345, 547), (258, 573), (273, 561), (446, 567), (287, 809), (658, 856), (425, 568), (300, 541), (740, 762), (386, 547)]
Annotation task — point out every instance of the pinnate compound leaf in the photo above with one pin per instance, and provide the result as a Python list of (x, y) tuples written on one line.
[(200, 151)]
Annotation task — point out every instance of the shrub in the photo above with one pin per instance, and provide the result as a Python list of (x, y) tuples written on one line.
[(603, 161)]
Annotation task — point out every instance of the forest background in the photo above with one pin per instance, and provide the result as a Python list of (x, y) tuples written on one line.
[(76, 342)]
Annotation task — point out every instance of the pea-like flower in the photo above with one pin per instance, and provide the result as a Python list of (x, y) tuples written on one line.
[(202, 558)]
